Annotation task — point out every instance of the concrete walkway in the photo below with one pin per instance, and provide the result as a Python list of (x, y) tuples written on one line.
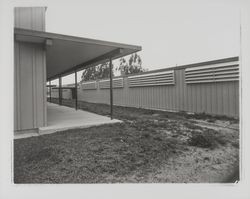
[(61, 118)]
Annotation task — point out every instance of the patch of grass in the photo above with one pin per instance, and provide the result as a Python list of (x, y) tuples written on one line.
[(210, 118), (236, 144), (90, 155), (192, 126), (206, 139), (146, 141)]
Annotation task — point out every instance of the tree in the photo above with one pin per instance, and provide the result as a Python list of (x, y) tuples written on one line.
[(98, 72), (89, 74), (133, 66)]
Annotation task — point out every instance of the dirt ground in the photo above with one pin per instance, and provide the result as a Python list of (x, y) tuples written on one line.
[(148, 147)]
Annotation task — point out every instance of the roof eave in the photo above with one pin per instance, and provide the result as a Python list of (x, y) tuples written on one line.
[(49, 35)]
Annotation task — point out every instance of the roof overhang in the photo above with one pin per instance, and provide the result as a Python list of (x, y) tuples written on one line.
[(66, 54)]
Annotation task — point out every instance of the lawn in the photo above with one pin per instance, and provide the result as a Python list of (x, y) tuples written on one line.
[(149, 146)]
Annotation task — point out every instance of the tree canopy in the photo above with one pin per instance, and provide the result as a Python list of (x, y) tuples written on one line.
[(134, 65), (98, 72)]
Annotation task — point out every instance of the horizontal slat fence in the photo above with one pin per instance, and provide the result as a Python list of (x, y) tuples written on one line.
[(210, 87), (224, 72), (153, 79), (117, 83)]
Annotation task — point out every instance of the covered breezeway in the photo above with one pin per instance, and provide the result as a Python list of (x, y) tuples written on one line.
[(62, 55)]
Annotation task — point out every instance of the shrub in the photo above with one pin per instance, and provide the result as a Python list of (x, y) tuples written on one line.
[(206, 139)]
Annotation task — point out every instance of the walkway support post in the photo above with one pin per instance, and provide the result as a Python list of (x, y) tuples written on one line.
[(60, 90), (50, 91), (75, 89), (111, 87)]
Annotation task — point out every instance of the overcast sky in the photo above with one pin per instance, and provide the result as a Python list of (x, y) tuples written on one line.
[(170, 32)]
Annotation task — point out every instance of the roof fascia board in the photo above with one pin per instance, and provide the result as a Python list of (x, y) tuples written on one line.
[(49, 35)]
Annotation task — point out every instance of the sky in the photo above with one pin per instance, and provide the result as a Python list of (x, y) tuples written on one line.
[(171, 33)]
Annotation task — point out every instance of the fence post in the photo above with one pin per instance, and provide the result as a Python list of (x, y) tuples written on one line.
[(111, 88), (76, 89)]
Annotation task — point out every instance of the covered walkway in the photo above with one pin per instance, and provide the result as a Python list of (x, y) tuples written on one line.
[(62, 118), (67, 55), (59, 56)]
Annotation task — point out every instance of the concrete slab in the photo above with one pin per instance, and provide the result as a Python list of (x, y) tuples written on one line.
[(61, 118), (64, 118)]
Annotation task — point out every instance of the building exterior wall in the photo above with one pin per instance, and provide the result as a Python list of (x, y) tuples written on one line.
[(30, 90), (213, 97), (32, 18), (30, 73)]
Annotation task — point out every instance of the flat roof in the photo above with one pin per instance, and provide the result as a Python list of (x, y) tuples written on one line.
[(65, 53)]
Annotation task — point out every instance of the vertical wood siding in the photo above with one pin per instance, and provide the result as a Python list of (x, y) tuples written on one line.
[(218, 97), (30, 18), (30, 72), (30, 86)]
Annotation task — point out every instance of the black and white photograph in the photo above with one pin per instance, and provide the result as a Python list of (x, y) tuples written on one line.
[(124, 93)]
